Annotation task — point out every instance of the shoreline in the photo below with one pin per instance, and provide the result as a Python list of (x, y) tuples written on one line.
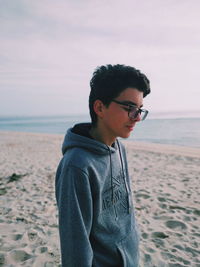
[(165, 187), (137, 145)]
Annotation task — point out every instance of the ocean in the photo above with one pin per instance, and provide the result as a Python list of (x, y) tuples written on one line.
[(174, 131)]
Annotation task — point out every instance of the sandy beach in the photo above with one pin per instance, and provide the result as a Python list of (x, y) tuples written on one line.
[(166, 193)]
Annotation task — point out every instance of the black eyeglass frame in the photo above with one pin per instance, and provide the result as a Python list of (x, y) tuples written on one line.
[(130, 106)]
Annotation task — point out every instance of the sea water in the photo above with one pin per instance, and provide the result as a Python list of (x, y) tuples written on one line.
[(177, 131)]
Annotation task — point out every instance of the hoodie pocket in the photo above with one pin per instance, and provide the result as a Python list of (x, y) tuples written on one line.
[(128, 249)]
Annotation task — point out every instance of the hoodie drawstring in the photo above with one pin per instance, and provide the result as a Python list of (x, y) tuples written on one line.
[(127, 190), (111, 176), (123, 175), (112, 189)]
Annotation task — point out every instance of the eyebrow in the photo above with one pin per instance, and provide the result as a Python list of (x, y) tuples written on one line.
[(130, 103)]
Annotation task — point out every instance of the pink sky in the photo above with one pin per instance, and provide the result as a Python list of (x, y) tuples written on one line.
[(49, 49)]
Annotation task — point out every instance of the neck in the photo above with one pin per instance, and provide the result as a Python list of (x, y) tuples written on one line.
[(99, 134)]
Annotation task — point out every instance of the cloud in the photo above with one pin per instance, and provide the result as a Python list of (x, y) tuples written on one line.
[(54, 46)]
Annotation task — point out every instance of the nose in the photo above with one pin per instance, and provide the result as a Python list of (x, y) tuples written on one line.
[(137, 118)]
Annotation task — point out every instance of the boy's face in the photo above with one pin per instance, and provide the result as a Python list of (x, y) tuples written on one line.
[(115, 121)]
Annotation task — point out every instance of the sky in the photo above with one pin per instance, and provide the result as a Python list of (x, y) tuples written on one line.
[(49, 50)]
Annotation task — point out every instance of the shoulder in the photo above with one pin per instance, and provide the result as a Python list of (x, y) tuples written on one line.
[(71, 168), (79, 158)]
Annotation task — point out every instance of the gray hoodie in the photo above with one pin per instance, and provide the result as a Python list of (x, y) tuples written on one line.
[(96, 216)]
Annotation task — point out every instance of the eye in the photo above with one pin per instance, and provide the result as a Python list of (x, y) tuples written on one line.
[(127, 109)]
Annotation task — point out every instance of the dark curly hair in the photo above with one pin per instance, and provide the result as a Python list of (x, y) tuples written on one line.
[(110, 80)]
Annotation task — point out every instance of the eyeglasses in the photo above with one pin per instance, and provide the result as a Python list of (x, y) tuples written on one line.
[(133, 110)]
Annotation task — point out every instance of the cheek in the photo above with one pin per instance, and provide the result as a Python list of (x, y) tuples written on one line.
[(120, 120), (116, 118)]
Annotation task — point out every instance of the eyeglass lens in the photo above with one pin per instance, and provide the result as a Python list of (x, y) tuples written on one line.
[(135, 111)]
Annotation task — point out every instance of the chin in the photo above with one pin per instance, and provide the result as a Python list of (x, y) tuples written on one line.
[(125, 135)]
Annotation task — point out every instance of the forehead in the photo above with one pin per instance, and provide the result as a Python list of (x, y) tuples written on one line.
[(131, 96)]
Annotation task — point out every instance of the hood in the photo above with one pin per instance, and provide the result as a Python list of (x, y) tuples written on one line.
[(78, 136)]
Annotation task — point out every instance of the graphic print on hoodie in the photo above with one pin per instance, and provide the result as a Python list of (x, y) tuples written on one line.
[(96, 213)]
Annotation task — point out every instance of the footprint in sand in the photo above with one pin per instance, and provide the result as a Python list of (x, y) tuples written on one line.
[(2, 259), (142, 195), (49, 264), (173, 224), (159, 235), (196, 212), (17, 237), (159, 243), (194, 252), (168, 256), (20, 255), (144, 235), (32, 236), (147, 258), (179, 247), (3, 191), (43, 249), (187, 218), (150, 250), (162, 199), (162, 206)]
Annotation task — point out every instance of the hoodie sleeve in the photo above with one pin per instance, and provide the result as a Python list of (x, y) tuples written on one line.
[(74, 201)]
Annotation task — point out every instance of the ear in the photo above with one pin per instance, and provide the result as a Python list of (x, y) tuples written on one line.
[(98, 107)]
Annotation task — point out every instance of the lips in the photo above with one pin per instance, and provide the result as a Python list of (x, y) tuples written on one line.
[(130, 127)]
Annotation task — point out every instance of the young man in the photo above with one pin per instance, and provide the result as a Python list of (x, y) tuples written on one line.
[(96, 215)]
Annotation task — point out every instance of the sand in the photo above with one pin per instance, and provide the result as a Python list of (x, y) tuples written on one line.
[(165, 184)]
